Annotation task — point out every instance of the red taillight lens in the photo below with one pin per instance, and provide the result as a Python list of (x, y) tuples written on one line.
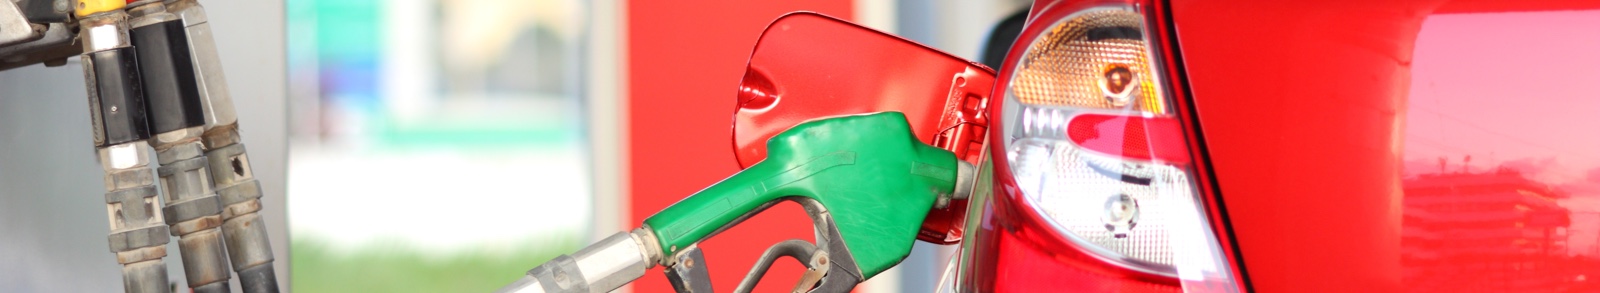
[(1093, 173)]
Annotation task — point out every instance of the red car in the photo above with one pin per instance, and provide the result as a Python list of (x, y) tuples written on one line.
[(1272, 146), (1179, 146), (1166, 146)]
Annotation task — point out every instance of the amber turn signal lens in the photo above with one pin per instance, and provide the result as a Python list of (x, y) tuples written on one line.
[(1097, 60)]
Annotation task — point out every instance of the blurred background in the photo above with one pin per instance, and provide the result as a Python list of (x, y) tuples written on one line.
[(451, 145), (436, 146)]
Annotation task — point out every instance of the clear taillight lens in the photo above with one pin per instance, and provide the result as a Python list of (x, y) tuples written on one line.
[(1093, 146)]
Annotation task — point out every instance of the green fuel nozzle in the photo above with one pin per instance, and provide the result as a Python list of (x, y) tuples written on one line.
[(865, 180), (875, 179)]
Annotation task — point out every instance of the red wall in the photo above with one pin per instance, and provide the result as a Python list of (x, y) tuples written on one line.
[(685, 59)]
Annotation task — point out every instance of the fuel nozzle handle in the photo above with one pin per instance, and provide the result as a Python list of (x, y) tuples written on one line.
[(872, 176), (866, 181)]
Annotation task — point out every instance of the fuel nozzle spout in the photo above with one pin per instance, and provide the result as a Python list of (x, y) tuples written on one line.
[(600, 267)]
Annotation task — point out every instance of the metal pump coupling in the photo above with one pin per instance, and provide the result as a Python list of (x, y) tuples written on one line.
[(243, 227), (175, 117), (193, 211), (600, 267), (116, 112), (216, 101), (138, 236)]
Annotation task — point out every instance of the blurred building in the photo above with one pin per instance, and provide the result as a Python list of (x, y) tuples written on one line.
[(1497, 221)]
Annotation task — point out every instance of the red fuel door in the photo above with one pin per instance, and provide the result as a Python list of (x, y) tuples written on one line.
[(807, 66)]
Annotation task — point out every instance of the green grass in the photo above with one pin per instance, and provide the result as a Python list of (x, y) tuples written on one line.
[(316, 267)]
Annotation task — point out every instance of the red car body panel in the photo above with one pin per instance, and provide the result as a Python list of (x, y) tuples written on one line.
[(1339, 133)]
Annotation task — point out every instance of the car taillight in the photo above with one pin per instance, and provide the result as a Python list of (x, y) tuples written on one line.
[(1094, 153)]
